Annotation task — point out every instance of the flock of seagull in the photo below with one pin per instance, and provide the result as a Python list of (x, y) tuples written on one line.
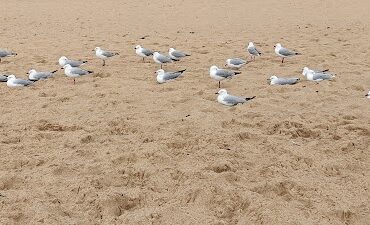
[(72, 69)]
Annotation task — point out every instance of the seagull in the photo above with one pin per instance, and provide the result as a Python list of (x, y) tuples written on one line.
[(163, 77), (143, 52), (15, 82), (282, 81), (161, 59), (316, 75), (221, 74), (74, 63), (283, 52), (176, 55), (5, 53), (235, 63), (231, 100), (253, 52), (102, 54), (34, 75), (74, 72), (368, 95), (3, 78)]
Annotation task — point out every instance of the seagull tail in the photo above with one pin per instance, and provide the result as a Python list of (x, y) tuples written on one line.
[(187, 54), (250, 98)]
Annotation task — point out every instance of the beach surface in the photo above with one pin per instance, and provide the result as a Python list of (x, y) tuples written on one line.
[(118, 148)]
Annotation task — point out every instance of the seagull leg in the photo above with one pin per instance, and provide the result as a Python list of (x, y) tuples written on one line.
[(74, 81), (103, 62), (143, 59), (219, 84), (282, 61), (161, 66)]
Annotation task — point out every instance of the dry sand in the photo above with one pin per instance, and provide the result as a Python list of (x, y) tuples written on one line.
[(117, 148)]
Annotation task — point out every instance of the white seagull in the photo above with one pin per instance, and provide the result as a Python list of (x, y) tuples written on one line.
[(284, 52), (102, 54), (74, 72), (163, 77), (316, 75), (221, 74), (274, 80), (235, 63), (176, 55), (12, 81), (143, 52), (34, 75), (74, 63), (4, 53), (253, 52), (161, 59), (231, 100)]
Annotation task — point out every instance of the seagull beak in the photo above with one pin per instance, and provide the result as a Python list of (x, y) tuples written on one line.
[(269, 79), (27, 73), (216, 93)]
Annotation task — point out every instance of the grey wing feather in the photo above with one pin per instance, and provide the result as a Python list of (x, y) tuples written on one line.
[(23, 82), (224, 73), (43, 75), (286, 52), (178, 54), (284, 81), (163, 59), (254, 51), (109, 54), (322, 76), (231, 99), (147, 52), (172, 75), (79, 71), (74, 63), (4, 53), (237, 61), (3, 78)]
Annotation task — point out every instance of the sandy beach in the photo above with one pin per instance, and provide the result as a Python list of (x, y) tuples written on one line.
[(118, 148)]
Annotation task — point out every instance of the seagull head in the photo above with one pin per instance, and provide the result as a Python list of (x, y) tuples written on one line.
[(305, 71), (11, 77), (160, 71), (213, 68), (137, 47), (368, 95), (250, 44), (171, 50), (97, 49), (31, 71), (273, 78), (277, 46), (67, 66), (221, 92)]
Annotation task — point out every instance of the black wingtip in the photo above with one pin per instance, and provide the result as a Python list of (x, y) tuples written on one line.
[(237, 72), (90, 71), (181, 71), (250, 98), (297, 53), (54, 71), (326, 70), (84, 61)]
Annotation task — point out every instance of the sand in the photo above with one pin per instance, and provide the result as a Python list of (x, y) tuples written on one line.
[(118, 148)]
